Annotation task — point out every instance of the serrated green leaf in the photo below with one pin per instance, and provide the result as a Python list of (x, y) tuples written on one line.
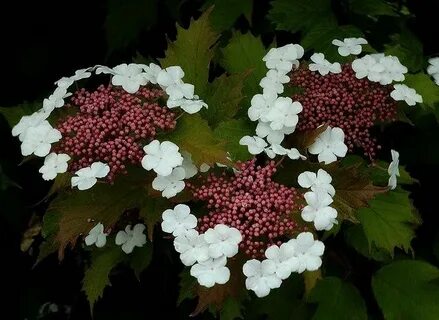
[(140, 258), (226, 12), (96, 276), (14, 114), (232, 131), (194, 135), (407, 290), (319, 38), (372, 8), (407, 47), (193, 51), (355, 237), (223, 97), (300, 15), (244, 53), (425, 86), (389, 221), (127, 19), (337, 300)]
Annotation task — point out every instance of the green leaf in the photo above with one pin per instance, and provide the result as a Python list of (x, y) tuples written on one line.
[(96, 276), (223, 97), (337, 300), (193, 51), (187, 286), (226, 12), (300, 15), (231, 310), (194, 135), (407, 290), (373, 8), (14, 114), (232, 131), (319, 38), (407, 47), (151, 211), (355, 237), (140, 258), (389, 221), (425, 86), (380, 175), (127, 19), (244, 53)]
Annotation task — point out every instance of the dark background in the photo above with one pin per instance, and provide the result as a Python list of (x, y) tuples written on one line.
[(44, 41)]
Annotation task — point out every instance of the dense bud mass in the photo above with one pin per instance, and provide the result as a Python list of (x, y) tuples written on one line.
[(111, 125), (342, 100), (265, 212)]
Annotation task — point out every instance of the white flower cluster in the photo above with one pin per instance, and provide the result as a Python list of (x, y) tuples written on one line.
[(318, 199), (276, 116), (128, 239), (296, 255), (433, 69), (206, 253), (393, 169)]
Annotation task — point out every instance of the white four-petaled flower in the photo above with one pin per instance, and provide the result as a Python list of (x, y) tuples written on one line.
[(403, 93), (323, 66), (38, 139), (393, 169), (260, 105), (284, 113), (161, 157), (254, 144), (349, 46), (211, 271), (178, 220), (130, 77), (170, 185), (318, 210), (284, 259), (317, 182), (223, 241), (26, 122), (308, 252), (131, 237), (86, 178), (54, 164), (329, 145), (192, 247), (261, 276), (96, 236)]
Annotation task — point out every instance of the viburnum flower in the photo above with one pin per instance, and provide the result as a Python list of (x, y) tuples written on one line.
[(329, 145), (161, 157), (308, 251), (96, 236), (349, 46), (190, 169), (170, 185), (393, 169), (260, 105), (191, 106), (211, 271), (254, 144), (65, 82), (178, 220), (54, 164), (317, 182), (283, 58), (171, 79), (130, 77), (275, 149), (87, 177), (403, 93), (223, 241), (433, 67), (322, 65), (151, 72), (273, 81), (284, 113), (26, 122), (38, 140), (283, 258), (318, 210), (81, 74), (379, 68), (192, 247), (131, 238), (261, 276), (263, 130)]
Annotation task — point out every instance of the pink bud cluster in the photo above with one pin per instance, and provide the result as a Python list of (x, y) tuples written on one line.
[(265, 212), (342, 100), (111, 125)]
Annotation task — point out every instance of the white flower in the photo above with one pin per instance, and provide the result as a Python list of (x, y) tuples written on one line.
[(317, 182), (436, 78), (130, 77), (394, 70), (275, 149), (433, 68), (178, 220), (329, 145), (294, 154), (87, 177), (54, 164), (393, 169), (322, 65), (308, 251), (403, 93), (260, 105), (192, 247), (55, 100), (349, 46), (283, 58), (284, 113), (263, 130), (26, 122), (379, 68), (161, 157), (190, 169), (261, 276), (368, 66), (190, 106), (222, 240), (273, 81), (318, 211), (38, 140), (211, 271), (284, 259), (131, 238), (151, 72), (254, 144), (65, 82), (81, 74), (170, 185), (96, 236), (104, 70), (171, 79)]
